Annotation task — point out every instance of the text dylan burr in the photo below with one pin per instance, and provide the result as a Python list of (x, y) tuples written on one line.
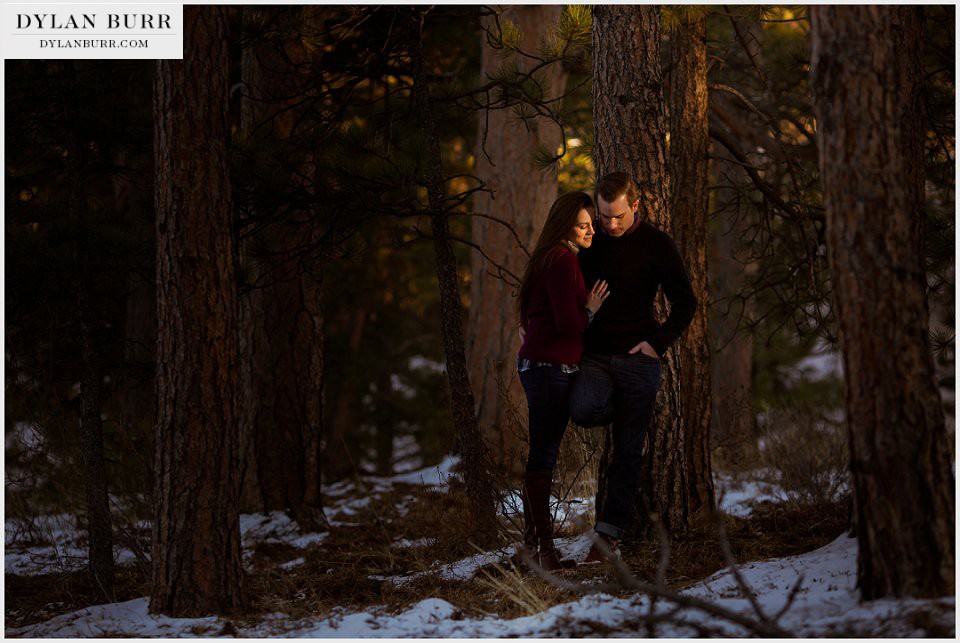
[(85, 21)]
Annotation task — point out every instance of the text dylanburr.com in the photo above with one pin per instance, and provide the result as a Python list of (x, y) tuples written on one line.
[(91, 31)]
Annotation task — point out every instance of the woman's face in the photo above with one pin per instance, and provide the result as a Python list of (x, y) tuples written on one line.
[(582, 231)]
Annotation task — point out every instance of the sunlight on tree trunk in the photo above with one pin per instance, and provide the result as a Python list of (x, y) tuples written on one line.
[(630, 125), (522, 196), (689, 141)]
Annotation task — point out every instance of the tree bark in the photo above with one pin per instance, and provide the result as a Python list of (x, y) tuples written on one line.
[(866, 75), (475, 456), (339, 463), (133, 195), (281, 318), (384, 422), (689, 141), (630, 126), (138, 408), (629, 113), (733, 426), (197, 566), (521, 195), (99, 522)]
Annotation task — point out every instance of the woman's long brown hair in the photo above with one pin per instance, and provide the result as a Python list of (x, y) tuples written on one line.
[(562, 217)]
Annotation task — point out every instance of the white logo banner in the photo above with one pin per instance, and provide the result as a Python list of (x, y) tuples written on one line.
[(31, 30)]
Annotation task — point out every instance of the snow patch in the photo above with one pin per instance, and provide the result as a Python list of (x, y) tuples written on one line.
[(275, 527), (421, 363), (736, 496), (24, 435), (405, 543), (826, 605)]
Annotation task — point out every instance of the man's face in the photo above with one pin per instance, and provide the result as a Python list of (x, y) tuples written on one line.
[(617, 216)]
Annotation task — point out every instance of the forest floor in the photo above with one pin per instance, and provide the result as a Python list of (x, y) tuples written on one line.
[(394, 562)]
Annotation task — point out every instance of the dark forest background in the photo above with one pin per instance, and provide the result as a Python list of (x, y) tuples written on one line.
[(364, 145)]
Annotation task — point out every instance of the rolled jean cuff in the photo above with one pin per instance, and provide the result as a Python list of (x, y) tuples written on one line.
[(608, 529)]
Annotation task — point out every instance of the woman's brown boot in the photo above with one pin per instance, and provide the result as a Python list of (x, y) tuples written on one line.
[(538, 523)]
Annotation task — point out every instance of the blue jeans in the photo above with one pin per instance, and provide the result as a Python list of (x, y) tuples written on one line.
[(618, 389), (548, 394)]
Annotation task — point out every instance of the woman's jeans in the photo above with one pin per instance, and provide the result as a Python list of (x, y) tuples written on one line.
[(618, 389), (548, 395)]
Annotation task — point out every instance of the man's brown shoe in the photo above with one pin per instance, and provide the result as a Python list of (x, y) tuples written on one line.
[(598, 555)]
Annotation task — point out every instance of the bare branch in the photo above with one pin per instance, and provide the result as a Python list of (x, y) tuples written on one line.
[(627, 580)]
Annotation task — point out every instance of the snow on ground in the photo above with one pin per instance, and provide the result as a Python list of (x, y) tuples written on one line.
[(823, 362), (48, 545), (24, 436), (406, 454), (275, 527), (437, 477), (404, 543), (736, 495), (827, 605), (421, 363), (54, 544)]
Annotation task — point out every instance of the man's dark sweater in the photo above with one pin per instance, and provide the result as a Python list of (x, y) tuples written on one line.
[(635, 265)]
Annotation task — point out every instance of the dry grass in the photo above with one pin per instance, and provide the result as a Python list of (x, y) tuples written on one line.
[(33, 599), (772, 531), (809, 454), (350, 569), (339, 571)]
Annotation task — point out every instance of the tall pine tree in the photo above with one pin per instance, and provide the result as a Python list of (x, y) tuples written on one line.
[(197, 567), (867, 80)]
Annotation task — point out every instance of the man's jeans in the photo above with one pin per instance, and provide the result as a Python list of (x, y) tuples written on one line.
[(548, 392), (618, 389)]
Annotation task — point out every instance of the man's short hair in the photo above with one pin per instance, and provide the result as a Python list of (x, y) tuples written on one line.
[(612, 186)]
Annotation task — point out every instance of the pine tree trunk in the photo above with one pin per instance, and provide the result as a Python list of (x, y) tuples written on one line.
[(475, 456), (283, 394), (630, 135), (521, 196), (384, 422), (133, 196), (629, 113), (137, 388), (338, 461), (281, 332), (866, 75), (733, 426), (99, 522), (197, 566), (689, 140)]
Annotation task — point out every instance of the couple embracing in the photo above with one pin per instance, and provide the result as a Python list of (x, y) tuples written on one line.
[(592, 347)]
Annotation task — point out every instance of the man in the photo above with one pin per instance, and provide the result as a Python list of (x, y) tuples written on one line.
[(620, 370)]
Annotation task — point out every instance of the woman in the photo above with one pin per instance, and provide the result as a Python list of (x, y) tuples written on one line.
[(554, 312)]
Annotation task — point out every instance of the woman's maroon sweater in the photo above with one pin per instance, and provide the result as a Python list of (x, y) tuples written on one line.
[(556, 312)]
